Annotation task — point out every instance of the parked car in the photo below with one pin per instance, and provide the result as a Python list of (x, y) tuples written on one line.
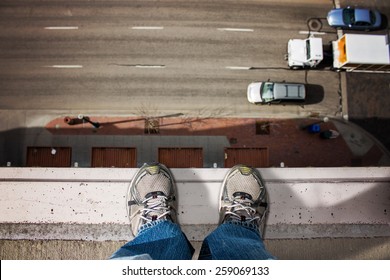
[(273, 92), (355, 18)]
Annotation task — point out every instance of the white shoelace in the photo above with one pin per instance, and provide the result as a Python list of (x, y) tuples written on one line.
[(154, 207), (240, 207)]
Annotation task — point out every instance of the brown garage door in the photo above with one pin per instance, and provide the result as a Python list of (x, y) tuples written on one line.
[(181, 157), (254, 157), (49, 157), (114, 157)]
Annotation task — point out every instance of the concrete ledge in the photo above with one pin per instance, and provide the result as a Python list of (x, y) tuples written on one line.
[(89, 203), (285, 249), (115, 175), (118, 232)]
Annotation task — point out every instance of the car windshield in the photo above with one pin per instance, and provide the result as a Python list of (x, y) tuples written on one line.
[(349, 16), (267, 92), (308, 53), (372, 17)]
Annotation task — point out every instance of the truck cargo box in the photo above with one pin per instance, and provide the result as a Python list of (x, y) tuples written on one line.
[(361, 52)]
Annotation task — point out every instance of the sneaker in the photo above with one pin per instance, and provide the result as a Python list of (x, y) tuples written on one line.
[(244, 198), (151, 196)]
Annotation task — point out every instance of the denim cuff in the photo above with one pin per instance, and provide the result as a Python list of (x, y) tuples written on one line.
[(149, 225), (249, 225)]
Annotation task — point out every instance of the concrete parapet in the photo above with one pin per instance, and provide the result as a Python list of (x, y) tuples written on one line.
[(89, 203)]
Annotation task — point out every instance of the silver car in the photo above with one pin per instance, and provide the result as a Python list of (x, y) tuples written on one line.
[(273, 92), (355, 18)]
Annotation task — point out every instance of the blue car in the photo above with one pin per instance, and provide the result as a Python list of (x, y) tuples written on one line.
[(355, 18)]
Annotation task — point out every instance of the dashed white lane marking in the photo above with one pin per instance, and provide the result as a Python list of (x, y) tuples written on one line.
[(62, 27), (64, 66), (150, 66), (238, 67), (147, 27), (311, 32), (236, 29)]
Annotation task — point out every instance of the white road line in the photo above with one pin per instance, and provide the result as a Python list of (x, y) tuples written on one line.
[(150, 66), (236, 29), (62, 27), (64, 66), (147, 27), (238, 67), (312, 32)]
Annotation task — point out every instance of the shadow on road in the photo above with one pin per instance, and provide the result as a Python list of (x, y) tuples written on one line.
[(314, 94)]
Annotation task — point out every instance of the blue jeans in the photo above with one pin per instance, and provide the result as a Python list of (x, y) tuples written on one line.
[(164, 240)]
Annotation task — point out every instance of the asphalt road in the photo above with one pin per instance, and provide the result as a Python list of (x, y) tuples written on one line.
[(151, 57)]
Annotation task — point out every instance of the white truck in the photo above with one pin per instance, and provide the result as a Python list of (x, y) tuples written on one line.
[(306, 53), (351, 52), (361, 52)]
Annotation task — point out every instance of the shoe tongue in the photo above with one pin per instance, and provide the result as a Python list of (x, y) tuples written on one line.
[(155, 194), (242, 196)]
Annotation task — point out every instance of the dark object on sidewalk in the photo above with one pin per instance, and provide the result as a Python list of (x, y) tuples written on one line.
[(314, 128), (70, 120), (86, 119), (329, 134), (73, 121), (79, 120)]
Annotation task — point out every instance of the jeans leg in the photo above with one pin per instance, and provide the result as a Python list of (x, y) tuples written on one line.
[(234, 241), (161, 240)]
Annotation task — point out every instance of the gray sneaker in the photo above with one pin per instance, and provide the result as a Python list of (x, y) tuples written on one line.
[(244, 198), (151, 196)]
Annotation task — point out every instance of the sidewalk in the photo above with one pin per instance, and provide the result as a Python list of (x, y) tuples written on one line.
[(288, 142)]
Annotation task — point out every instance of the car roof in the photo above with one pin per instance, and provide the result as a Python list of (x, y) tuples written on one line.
[(362, 15), (288, 91)]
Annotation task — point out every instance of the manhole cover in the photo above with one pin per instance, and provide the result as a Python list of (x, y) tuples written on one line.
[(314, 24)]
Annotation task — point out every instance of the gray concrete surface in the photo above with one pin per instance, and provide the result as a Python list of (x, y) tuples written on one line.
[(339, 213)]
